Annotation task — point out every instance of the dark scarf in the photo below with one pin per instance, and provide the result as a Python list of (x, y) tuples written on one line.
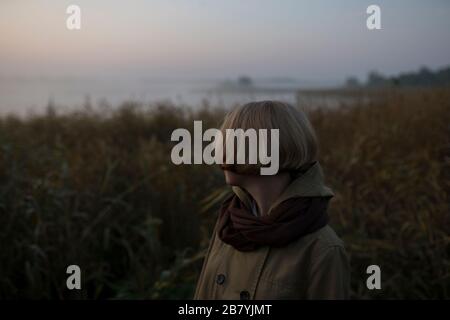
[(290, 220)]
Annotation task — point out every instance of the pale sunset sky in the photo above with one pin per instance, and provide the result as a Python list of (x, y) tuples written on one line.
[(317, 40)]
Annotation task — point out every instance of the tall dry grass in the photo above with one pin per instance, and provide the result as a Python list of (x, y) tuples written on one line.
[(99, 190)]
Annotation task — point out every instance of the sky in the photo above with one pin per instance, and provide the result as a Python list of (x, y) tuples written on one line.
[(317, 40)]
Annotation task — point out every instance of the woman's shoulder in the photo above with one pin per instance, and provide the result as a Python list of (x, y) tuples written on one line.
[(328, 237), (321, 240)]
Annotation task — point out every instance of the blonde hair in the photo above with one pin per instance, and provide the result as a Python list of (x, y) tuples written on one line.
[(297, 139)]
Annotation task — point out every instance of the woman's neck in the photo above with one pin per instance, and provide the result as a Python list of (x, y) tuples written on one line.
[(266, 189)]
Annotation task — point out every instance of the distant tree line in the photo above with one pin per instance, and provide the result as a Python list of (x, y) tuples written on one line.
[(423, 77)]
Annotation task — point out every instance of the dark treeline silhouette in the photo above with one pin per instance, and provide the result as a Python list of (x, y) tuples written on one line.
[(422, 77)]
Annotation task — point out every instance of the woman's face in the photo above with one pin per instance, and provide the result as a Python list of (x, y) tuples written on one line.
[(234, 179)]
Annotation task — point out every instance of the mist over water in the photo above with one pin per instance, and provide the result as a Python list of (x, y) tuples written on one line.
[(22, 95)]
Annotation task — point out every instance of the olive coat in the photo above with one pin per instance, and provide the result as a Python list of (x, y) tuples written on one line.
[(314, 266)]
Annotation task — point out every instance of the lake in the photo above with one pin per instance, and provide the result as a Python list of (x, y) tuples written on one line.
[(22, 95)]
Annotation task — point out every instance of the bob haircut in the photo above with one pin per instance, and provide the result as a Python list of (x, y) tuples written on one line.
[(297, 139)]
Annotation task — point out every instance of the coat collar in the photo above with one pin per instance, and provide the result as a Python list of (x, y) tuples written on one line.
[(308, 184)]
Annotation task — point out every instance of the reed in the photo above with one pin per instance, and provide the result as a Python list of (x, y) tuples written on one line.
[(97, 188)]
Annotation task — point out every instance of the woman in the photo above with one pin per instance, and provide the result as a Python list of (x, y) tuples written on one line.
[(271, 239)]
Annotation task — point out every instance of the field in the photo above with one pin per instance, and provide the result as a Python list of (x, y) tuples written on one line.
[(97, 188)]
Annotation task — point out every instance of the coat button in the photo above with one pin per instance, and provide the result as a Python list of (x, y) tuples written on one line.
[(245, 295), (220, 279)]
